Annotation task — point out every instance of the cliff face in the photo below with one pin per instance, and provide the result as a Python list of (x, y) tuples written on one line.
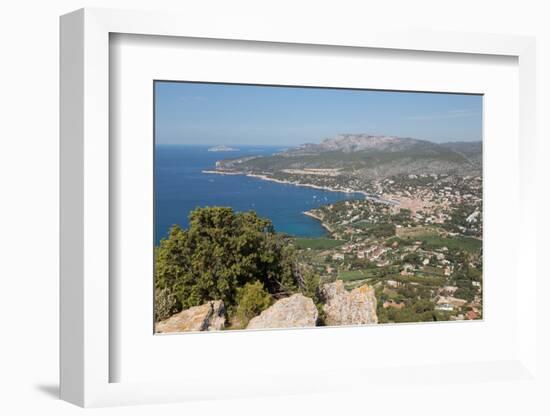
[(207, 317), (341, 307), (293, 312)]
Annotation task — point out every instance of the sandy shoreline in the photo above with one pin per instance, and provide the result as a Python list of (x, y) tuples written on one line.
[(368, 196)]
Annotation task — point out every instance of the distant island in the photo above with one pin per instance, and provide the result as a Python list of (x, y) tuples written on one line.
[(222, 148)]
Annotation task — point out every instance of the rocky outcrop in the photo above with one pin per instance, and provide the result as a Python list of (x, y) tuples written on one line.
[(207, 317), (342, 307), (292, 312)]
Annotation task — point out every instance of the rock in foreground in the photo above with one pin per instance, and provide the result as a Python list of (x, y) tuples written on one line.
[(293, 312), (341, 307), (207, 317)]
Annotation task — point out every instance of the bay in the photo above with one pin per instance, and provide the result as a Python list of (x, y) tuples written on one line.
[(181, 186)]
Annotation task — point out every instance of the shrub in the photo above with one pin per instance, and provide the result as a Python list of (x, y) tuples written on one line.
[(311, 287), (252, 300), (166, 304)]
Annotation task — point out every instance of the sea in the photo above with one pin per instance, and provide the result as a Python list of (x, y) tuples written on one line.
[(181, 186)]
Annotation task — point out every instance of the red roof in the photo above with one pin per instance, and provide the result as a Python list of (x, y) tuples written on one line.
[(471, 315)]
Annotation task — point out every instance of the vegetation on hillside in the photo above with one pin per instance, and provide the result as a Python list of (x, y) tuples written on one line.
[(233, 256)]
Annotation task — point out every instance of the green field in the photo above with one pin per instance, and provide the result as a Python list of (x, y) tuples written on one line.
[(431, 236), (317, 243), (417, 233), (469, 244), (420, 278), (349, 275)]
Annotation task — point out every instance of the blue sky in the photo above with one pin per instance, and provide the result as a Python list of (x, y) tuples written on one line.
[(211, 114)]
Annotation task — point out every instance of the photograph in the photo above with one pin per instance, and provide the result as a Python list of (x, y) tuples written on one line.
[(280, 207)]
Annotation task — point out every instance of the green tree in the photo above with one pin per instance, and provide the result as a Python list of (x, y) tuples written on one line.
[(220, 252), (310, 285)]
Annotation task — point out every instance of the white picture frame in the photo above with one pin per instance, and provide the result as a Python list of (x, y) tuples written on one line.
[(86, 356)]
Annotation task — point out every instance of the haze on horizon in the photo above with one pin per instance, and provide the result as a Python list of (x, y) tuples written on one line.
[(232, 114)]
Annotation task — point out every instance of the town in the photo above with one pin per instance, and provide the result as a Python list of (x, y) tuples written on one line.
[(419, 245)]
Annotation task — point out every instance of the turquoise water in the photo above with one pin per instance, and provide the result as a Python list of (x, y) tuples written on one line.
[(180, 187)]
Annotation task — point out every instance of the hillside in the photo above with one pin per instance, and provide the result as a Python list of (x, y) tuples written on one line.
[(364, 157), (472, 150)]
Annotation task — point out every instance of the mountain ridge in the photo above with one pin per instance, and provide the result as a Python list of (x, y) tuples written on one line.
[(368, 157)]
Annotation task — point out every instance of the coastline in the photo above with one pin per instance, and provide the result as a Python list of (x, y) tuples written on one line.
[(285, 182), (305, 185), (368, 196), (323, 224)]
